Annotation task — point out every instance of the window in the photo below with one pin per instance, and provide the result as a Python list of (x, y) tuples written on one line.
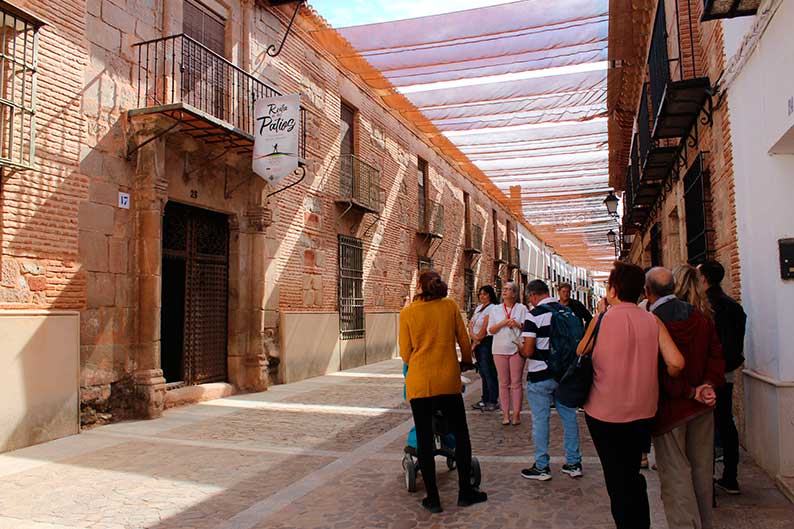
[(656, 245), (204, 77), (18, 63), (422, 178), (351, 288), (496, 237), (347, 117), (204, 26), (695, 203), (497, 286), (469, 300), (425, 263)]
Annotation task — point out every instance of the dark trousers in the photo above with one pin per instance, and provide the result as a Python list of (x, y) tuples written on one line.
[(726, 430), (487, 369), (455, 414), (619, 447)]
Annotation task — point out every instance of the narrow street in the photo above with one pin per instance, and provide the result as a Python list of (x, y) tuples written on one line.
[(321, 453)]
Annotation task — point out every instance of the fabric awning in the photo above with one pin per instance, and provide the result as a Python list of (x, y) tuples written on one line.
[(519, 92)]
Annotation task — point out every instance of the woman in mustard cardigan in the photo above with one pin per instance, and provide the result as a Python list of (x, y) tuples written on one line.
[(429, 328)]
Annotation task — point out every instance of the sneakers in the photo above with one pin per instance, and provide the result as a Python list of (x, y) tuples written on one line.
[(491, 407), (575, 471), (730, 487), (478, 406), (538, 474)]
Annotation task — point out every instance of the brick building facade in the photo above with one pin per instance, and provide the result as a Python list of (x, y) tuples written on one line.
[(140, 212)]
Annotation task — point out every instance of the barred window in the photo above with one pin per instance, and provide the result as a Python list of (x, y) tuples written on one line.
[(425, 263), (695, 207), (18, 65), (469, 300), (497, 286), (351, 288)]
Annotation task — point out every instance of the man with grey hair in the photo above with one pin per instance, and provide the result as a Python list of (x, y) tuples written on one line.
[(683, 430)]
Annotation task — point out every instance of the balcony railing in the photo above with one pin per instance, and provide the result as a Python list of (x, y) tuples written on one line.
[(474, 239), (433, 222), (177, 75), (513, 261), (359, 183), (677, 90)]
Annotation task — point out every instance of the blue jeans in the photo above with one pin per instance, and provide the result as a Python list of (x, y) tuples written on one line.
[(487, 368), (539, 396)]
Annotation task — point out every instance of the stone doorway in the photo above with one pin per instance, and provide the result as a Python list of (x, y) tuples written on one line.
[(195, 290)]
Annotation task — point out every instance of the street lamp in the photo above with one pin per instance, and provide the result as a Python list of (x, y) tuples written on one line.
[(611, 236), (611, 202)]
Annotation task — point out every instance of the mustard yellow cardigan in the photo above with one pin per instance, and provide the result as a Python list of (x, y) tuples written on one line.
[(428, 331)]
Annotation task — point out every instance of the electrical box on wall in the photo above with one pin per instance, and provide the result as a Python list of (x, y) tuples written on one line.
[(786, 247)]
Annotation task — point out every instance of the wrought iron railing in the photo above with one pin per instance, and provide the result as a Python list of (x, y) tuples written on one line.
[(514, 260), (504, 253), (475, 237), (180, 70), (359, 182), (433, 221)]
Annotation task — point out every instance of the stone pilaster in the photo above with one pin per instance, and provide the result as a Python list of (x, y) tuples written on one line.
[(148, 203)]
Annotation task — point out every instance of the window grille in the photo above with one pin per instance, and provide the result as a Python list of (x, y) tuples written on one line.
[(695, 208), (18, 83), (656, 245), (469, 300), (425, 263), (497, 286), (351, 288)]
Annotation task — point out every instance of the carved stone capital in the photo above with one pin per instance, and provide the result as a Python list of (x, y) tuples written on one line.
[(259, 218)]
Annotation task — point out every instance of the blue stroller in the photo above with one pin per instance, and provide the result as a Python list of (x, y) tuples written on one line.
[(443, 445)]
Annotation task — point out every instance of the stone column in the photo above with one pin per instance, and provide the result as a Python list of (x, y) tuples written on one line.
[(256, 359), (148, 202)]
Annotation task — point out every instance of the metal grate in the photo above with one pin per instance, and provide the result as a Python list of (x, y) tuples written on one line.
[(497, 286), (351, 288), (469, 300), (197, 242), (475, 237), (695, 208), (424, 264), (18, 86), (644, 126), (656, 245), (433, 219)]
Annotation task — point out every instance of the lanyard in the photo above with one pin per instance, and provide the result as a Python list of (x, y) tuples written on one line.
[(508, 312)]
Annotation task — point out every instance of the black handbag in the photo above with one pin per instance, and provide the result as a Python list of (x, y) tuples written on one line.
[(574, 387)]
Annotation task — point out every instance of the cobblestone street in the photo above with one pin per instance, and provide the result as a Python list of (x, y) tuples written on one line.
[(322, 453)]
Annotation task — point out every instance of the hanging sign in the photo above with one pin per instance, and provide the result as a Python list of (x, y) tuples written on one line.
[(276, 130)]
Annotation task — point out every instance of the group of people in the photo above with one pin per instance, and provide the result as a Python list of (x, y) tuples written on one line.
[(664, 345)]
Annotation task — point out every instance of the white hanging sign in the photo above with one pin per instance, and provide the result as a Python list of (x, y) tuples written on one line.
[(276, 131)]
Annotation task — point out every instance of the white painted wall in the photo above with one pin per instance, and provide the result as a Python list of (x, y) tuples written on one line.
[(759, 114)]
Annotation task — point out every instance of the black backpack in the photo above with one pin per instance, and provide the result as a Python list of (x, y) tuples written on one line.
[(566, 333)]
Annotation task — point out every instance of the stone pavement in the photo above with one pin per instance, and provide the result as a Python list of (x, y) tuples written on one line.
[(322, 453)]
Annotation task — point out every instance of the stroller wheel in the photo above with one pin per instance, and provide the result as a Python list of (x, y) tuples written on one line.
[(451, 463), (476, 476), (410, 475)]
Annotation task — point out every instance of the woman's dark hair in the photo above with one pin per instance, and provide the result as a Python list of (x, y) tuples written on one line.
[(628, 280), (433, 287), (488, 289)]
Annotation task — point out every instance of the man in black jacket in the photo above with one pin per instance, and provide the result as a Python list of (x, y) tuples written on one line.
[(576, 306), (730, 320)]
